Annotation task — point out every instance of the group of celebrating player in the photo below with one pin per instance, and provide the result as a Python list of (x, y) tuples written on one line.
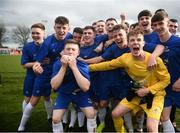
[(136, 68)]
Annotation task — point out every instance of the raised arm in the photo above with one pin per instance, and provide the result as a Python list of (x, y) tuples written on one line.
[(156, 53)]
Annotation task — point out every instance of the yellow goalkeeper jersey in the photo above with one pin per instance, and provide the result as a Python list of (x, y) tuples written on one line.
[(155, 80)]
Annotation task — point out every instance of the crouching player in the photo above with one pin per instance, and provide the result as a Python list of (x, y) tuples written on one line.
[(71, 80), (154, 81)]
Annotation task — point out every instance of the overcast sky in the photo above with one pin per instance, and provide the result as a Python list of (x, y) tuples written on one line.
[(79, 12)]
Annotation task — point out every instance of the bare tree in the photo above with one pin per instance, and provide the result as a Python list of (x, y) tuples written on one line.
[(2, 31), (21, 32)]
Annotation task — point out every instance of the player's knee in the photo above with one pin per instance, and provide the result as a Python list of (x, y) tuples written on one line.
[(103, 104), (152, 127), (47, 98), (115, 114), (90, 115), (164, 117), (56, 120)]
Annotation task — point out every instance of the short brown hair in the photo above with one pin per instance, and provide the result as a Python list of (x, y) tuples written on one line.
[(38, 25), (72, 41), (78, 30), (134, 33), (61, 20), (118, 27), (144, 13), (89, 27), (159, 16)]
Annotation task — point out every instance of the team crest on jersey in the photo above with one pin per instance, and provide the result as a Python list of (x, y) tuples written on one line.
[(89, 101), (166, 49), (38, 91), (156, 111), (27, 92)]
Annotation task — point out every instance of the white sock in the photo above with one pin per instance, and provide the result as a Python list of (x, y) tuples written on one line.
[(57, 128), (128, 121), (102, 114), (91, 125), (49, 108), (65, 116), (73, 117), (24, 105), (25, 117), (168, 127), (81, 118)]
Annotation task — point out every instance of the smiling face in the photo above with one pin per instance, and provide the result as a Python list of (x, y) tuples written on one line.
[(173, 27), (120, 37), (61, 31), (88, 36), (160, 23), (145, 23), (110, 24), (136, 44), (161, 27), (100, 28), (37, 35)]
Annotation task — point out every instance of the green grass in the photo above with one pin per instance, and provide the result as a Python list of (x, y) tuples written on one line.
[(11, 97)]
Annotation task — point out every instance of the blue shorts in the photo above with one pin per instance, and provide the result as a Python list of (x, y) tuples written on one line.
[(28, 85), (81, 99), (42, 87), (172, 98)]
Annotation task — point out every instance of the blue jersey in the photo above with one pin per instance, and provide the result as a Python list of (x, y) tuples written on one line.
[(113, 82), (171, 57), (114, 76), (29, 53), (51, 49), (88, 52), (149, 47), (101, 38), (69, 83), (151, 38), (151, 41)]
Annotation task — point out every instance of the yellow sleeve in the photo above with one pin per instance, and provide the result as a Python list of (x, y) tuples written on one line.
[(162, 74), (107, 65)]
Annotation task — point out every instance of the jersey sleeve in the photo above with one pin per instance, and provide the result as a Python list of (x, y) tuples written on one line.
[(84, 69), (25, 57), (149, 47), (108, 65), (56, 68), (163, 76), (108, 54)]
